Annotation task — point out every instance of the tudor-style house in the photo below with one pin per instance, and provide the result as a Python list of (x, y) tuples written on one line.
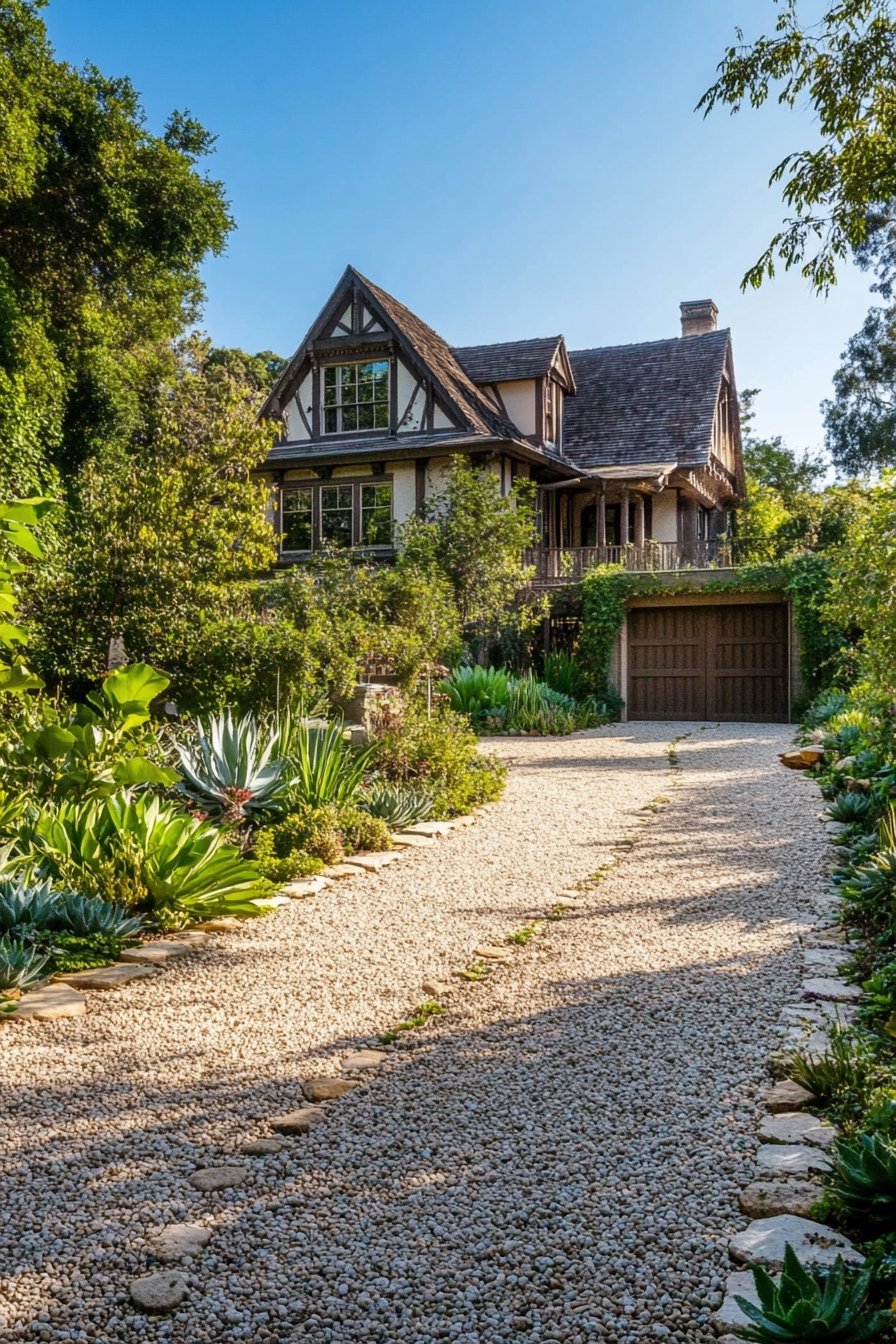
[(635, 448)]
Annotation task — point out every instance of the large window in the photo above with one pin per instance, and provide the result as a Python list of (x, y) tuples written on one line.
[(356, 396), (330, 513)]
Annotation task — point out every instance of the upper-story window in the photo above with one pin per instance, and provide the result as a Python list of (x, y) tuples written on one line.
[(356, 396)]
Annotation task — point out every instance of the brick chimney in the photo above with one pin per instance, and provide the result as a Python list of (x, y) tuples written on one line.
[(698, 316)]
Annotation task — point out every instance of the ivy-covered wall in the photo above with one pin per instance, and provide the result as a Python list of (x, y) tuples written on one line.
[(606, 590)]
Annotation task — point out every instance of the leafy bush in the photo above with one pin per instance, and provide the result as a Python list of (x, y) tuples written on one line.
[(21, 964), (844, 1076), (440, 756), (323, 768), (278, 859), (478, 692), (802, 1305), (307, 832), (398, 805), (863, 1178), (148, 856), (362, 832), (232, 769), (562, 673), (82, 952), (534, 707)]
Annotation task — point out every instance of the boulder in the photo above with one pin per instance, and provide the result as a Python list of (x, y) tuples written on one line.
[(793, 760), (159, 1292)]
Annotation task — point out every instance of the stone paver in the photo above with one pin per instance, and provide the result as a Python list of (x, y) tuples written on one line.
[(763, 1243), (558, 1157), (105, 977), (797, 1127), (49, 1003)]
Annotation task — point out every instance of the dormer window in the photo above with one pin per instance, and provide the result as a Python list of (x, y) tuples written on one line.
[(356, 397)]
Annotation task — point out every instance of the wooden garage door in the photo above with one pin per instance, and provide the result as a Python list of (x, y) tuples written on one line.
[(713, 662)]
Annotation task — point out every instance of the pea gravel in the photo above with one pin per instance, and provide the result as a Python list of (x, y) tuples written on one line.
[(557, 1157)]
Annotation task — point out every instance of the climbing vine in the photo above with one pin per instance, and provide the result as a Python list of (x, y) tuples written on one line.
[(805, 579)]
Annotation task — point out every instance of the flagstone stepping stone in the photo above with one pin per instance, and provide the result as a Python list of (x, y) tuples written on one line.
[(489, 953), (159, 1292), (276, 901), (179, 1240), (156, 954), (304, 886), (218, 1178), (328, 1089), (364, 1059), (824, 961), (791, 1159), (438, 989), (828, 987), (427, 828), (763, 1242), (105, 977), (765, 1199), (297, 1122), (373, 862), (226, 924), (819, 1012), (786, 1095), (49, 1003), (813, 1044), (465, 820), (797, 1127), (196, 937), (729, 1314), (406, 840), (340, 870), (262, 1147)]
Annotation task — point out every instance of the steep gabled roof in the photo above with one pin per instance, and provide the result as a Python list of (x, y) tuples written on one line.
[(509, 360), (645, 403)]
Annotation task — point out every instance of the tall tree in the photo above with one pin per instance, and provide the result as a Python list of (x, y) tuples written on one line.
[(841, 67), (103, 227)]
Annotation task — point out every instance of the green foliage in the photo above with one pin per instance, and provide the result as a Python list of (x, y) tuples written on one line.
[(850, 807), (362, 831), (841, 66), (232, 769), (17, 523), (864, 581), (144, 854), (323, 768), (398, 805), (863, 1178), (279, 853), (39, 905), (605, 589), (563, 673), (419, 1018), (478, 692), (83, 952), (844, 1077), (811, 1305), (21, 964), (439, 756)]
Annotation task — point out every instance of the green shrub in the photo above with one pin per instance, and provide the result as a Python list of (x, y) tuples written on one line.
[(362, 832), (440, 756), (277, 859), (82, 952), (478, 692), (845, 1076), (306, 833), (562, 673)]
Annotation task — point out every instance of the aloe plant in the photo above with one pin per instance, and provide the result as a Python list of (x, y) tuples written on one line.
[(324, 769), (232, 769), (863, 1177), (149, 855), (827, 1305), (21, 965), (397, 804)]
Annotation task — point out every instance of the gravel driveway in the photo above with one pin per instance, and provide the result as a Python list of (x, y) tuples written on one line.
[(556, 1158)]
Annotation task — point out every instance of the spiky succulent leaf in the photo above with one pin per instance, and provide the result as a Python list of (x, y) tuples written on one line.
[(810, 1305), (21, 965), (397, 804), (231, 767)]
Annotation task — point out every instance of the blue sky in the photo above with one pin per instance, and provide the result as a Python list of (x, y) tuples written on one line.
[(506, 168)]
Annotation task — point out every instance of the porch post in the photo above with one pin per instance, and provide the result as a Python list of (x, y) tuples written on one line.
[(689, 528), (623, 517), (639, 521), (601, 508)]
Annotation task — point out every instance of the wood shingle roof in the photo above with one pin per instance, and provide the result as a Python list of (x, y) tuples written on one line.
[(645, 403), (509, 360)]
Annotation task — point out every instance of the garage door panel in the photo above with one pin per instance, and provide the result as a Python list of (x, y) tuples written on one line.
[(713, 662)]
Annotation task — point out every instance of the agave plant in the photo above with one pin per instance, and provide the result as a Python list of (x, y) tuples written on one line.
[(324, 769), (863, 1177), (21, 965), (232, 769), (86, 915), (826, 1305), (150, 855), (23, 903), (850, 807), (397, 804)]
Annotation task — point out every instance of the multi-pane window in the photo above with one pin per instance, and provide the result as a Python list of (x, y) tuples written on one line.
[(296, 519), (376, 515), (353, 513), (356, 396), (336, 514)]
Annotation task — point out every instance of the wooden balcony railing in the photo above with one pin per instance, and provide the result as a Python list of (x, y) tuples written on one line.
[(553, 567)]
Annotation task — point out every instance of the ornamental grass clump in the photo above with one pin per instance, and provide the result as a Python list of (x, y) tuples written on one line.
[(323, 768)]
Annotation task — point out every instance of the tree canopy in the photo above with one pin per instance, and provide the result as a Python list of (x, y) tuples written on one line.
[(841, 67)]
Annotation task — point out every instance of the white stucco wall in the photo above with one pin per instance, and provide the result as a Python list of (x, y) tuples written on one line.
[(519, 398), (665, 516), (405, 384), (404, 491), (295, 429)]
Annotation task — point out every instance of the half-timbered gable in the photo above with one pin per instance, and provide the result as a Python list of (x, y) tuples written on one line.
[(634, 448)]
